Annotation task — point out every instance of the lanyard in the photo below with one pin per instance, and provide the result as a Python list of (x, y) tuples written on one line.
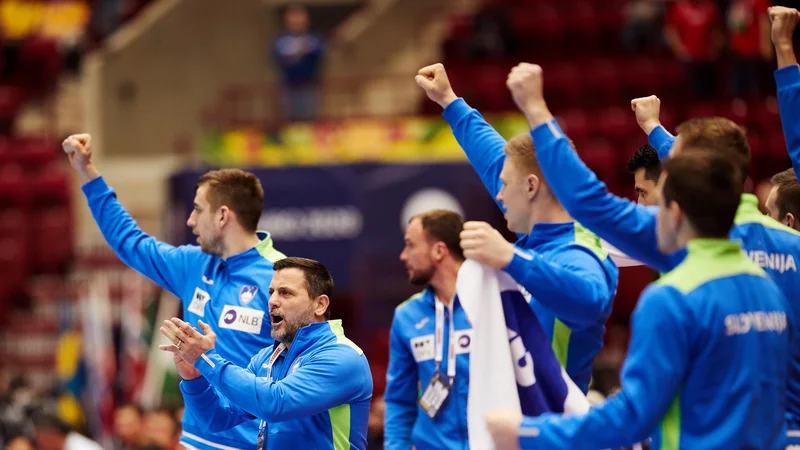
[(438, 340), (273, 358)]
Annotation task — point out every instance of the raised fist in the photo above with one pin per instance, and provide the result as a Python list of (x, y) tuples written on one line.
[(433, 79), (78, 148), (784, 21), (647, 111), (525, 83)]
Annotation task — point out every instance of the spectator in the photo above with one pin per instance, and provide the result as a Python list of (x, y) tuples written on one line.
[(749, 30), (642, 19), (127, 427), (493, 33), (298, 54), (160, 429), (52, 433), (19, 442), (694, 35)]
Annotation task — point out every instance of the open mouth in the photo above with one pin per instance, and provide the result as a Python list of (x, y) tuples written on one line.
[(275, 319)]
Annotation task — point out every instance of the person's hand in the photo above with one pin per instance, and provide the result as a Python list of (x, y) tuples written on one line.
[(504, 428), (486, 245), (185, 370), (526, 86), (647, 111), (784, 21), (187, 342), (78, 148), (433, 79)]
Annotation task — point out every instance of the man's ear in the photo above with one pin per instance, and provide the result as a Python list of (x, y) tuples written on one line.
[(532, 185), (322, 303), (790, 220)]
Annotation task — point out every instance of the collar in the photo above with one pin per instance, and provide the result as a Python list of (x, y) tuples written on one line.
[(264, 249), (314, 333), (548, 232), (748, 208), (714, 249)]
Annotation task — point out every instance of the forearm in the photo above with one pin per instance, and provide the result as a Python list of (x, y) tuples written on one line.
[(572, 294), (785, 53), (206, 406), (88, 173), (622, 223), (788, 81), (482, 144)]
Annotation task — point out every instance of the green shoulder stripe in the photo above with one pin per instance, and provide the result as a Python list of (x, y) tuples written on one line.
[(586, 238), (340, 426), (267, 250), (413, 297), (338, 331)]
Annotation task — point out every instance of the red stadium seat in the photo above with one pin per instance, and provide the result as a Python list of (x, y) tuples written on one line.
[(50, 187), (563, 85), (616, 124), (40, 65), (51, 240), (10, 102), (575, 124), (601, 157), (602, 81)]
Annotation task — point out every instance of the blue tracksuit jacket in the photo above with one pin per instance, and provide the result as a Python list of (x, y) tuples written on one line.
[(411, 367), (318, 396), (572, 281), (706, 368), (632, 228), (229, 295)]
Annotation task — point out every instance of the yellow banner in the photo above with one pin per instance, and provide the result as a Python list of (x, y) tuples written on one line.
[(385, 140)]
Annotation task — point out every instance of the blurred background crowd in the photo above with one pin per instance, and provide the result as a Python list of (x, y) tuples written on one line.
[(318, 99)]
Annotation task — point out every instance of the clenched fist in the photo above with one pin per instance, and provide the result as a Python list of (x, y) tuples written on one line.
[(525, 83), (647, 111), (486, 245), (784, 21), (433, 79), (78, 148)]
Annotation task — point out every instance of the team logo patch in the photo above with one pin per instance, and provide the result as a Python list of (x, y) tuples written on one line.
[(199, 300), (422, 347), (237, 318), (247, 294), (463, 341)]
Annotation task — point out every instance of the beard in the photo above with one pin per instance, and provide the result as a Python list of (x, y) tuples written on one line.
[(213, 246), (421, 278), (289, 330)]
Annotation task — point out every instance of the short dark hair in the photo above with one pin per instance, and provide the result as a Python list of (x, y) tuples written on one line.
[(238, 190), (45, 419), (788, 200), (318, 280), (444, 226), (646, 157), (707, 186), (717, 134)]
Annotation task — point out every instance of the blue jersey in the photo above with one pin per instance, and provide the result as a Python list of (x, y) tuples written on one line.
[(230, 295), (316, 394), (632, 228), (572, 281), (706, 367), (411, 367)]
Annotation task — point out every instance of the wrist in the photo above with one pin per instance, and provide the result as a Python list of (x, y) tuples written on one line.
[(537, 113), (784, 46), (186, 378), (649, 126), (89, 173), (448, 98)]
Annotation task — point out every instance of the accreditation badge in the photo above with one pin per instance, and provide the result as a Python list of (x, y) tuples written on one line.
[(262, 427), (434, 395)]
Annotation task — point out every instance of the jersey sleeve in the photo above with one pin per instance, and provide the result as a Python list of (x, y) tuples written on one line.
[(651, 378), (333, 376), (401, 392), (661, 140), (627, 226), (163, 263), (573, 285), (788, 81), (212, 410), (482, 144)]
